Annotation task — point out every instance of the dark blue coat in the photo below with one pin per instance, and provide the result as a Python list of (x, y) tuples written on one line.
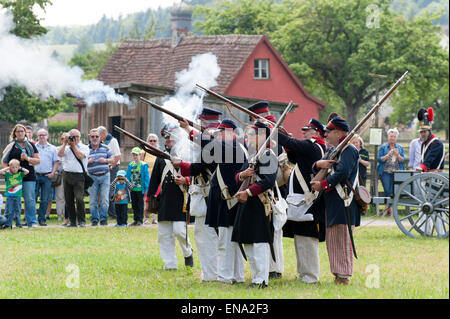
[(346, 167), (433, 157), (305, 153), (251, 223), (229, 157)]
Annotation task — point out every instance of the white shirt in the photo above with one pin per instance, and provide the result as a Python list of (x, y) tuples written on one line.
[(114, 148), (70, 162)]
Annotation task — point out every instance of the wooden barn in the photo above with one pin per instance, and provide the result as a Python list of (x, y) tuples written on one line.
[(251, 70)]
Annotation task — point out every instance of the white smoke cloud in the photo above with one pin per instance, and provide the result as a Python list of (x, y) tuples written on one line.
[(187, 101), (23, 63)]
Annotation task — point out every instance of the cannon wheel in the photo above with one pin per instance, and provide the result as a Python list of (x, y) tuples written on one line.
[(426, 206)]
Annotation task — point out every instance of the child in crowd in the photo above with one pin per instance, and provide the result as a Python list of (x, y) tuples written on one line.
[(137, 174), (120, 191), (14, 179)]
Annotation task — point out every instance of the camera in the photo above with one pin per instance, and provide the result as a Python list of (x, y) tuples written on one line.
[(71, 138)]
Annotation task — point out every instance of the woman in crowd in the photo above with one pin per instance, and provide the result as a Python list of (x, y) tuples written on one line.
[(25, 152), (364, 160), (390, 158)]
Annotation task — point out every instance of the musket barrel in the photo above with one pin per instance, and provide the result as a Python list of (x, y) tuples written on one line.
[(323, 172), (147, 147), (239, 107), (170, 113)]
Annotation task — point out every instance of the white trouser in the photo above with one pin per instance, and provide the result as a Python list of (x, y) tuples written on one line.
[(258, 255), (230, 264), (307, 252), (206, 241), (167, 232), (60, 200), (278, 265)]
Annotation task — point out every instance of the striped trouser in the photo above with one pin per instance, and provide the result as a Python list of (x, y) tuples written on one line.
[(340, 252)]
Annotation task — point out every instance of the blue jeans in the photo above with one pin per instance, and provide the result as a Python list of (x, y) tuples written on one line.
[(44, 188), (12, 210), (99, 191), (386, 181), (29, 197)]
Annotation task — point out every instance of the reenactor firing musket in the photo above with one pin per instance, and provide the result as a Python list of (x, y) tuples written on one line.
[(175, 116), (146, 146), (239, 107), (323, 172), (263, 147)]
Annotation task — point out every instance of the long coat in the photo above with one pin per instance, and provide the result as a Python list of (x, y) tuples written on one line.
[(346, 167), (251, 224), (171, 198), (433, 157), (305, 153), (228, 156)]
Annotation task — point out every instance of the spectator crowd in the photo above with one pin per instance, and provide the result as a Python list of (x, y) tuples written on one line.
[(40, 172)]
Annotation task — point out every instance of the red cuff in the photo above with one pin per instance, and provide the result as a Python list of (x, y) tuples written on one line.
[(255, 189), (423, 167), (158, 191), (236, 178), (188, 180), (192, 134), (286, 149), (185, 168), (325, 185)]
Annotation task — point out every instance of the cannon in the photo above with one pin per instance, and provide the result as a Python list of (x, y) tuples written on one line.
[(420, 203)]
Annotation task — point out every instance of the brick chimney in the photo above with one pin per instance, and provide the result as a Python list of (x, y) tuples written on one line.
[(181, 18)]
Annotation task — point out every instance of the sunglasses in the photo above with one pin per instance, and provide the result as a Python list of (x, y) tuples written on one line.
[(95, 136), (153, 141)]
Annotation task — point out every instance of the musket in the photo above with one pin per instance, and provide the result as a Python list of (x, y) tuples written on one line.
[(239, 107), (175, 116), (323, 172), (146, 146), (252, 162)]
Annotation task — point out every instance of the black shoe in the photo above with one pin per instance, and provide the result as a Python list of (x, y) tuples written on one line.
[(103, 223), (42, 224), (94, 223), (71, 225), (136, 223), (275, 275), (18, 226), (259, 286), (189, 261), (82, 224)]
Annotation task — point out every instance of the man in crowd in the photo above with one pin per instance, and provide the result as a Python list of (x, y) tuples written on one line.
[(99, 159), (113, 145), (45, 171), (74, 154)]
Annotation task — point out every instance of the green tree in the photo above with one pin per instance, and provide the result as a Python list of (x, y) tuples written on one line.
[(333, 46), (27, 23), (17, 104), (93, 61)]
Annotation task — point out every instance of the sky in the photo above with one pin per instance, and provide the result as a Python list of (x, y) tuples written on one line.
[(84, 12)]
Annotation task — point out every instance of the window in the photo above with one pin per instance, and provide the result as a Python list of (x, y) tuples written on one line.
[(261, 69)]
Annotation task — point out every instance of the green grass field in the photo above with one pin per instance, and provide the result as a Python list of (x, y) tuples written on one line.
[(118, 263)]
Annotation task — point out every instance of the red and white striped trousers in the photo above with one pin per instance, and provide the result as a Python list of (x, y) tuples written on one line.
[(340, 252)]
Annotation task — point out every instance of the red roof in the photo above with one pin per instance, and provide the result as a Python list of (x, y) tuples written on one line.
[(155, 62)]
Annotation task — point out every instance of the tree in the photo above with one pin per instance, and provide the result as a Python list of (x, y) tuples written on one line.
[(16, 103), (333, 46), (27, 23), (93, 61), (342, 42)]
